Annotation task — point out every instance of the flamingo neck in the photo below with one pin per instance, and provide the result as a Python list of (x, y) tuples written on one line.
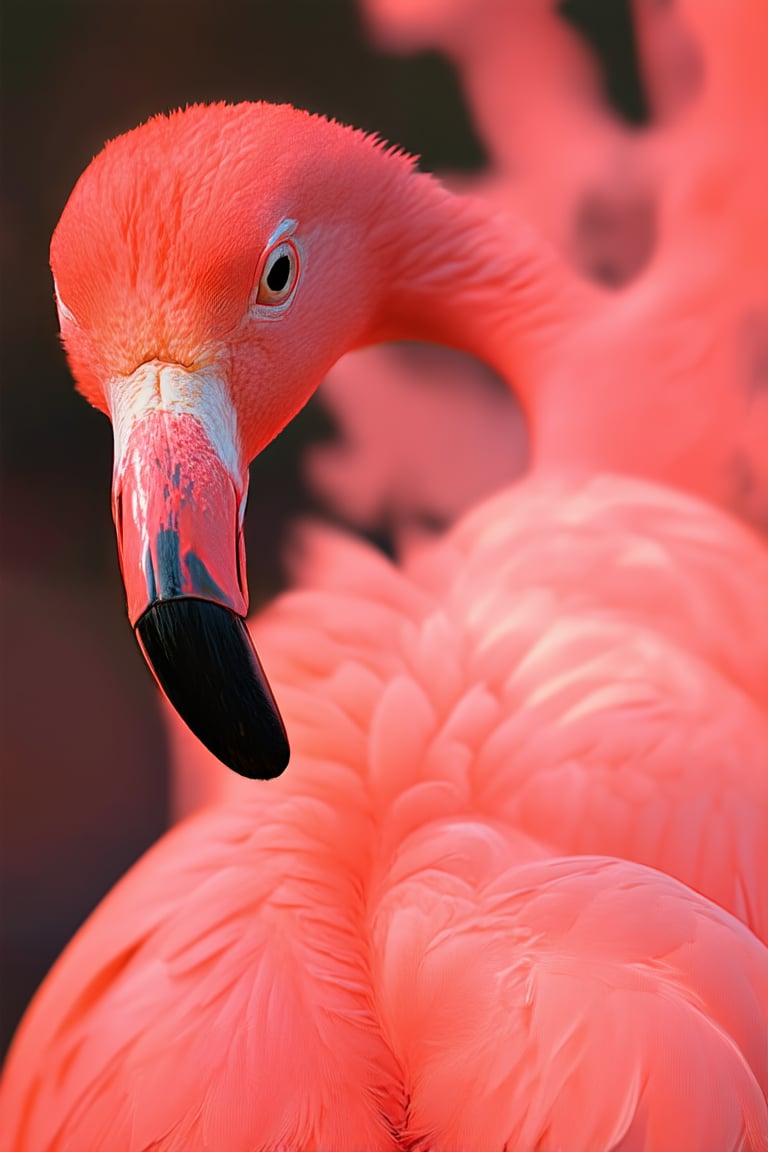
[(460, 276)]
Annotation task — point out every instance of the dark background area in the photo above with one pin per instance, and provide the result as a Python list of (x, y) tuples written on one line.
[(83, 783)]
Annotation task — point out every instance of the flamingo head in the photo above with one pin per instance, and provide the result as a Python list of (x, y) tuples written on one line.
[(209, 267)]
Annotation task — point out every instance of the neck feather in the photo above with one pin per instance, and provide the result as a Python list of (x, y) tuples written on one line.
[(458, 275)]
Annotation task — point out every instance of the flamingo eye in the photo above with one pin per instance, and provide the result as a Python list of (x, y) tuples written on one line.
[(279, 275)]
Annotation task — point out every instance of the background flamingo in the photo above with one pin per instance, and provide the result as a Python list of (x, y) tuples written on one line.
[(670, 187), (528, 73), (447, 864)]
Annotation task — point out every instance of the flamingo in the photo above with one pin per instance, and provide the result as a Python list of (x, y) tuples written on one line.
[(389, 946)]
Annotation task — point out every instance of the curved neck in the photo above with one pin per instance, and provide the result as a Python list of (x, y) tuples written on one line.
[(460, 276)]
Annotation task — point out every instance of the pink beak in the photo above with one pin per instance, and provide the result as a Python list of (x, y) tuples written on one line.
[(178, 512)]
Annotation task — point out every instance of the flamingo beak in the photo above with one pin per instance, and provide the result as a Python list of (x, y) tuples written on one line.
[(178, 500)]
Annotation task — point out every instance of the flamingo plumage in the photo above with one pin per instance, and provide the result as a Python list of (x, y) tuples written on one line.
[(619, 711), (388, 947), (391, 946)]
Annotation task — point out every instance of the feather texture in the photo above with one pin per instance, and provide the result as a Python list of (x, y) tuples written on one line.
[(408, 942)]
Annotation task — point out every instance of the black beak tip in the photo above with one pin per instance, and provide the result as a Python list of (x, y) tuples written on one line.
[(204, 660)]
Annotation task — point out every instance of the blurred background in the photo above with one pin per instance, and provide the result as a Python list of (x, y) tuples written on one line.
[(83, 777)]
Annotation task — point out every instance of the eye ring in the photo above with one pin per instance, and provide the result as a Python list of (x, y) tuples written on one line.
[(279, 275)]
